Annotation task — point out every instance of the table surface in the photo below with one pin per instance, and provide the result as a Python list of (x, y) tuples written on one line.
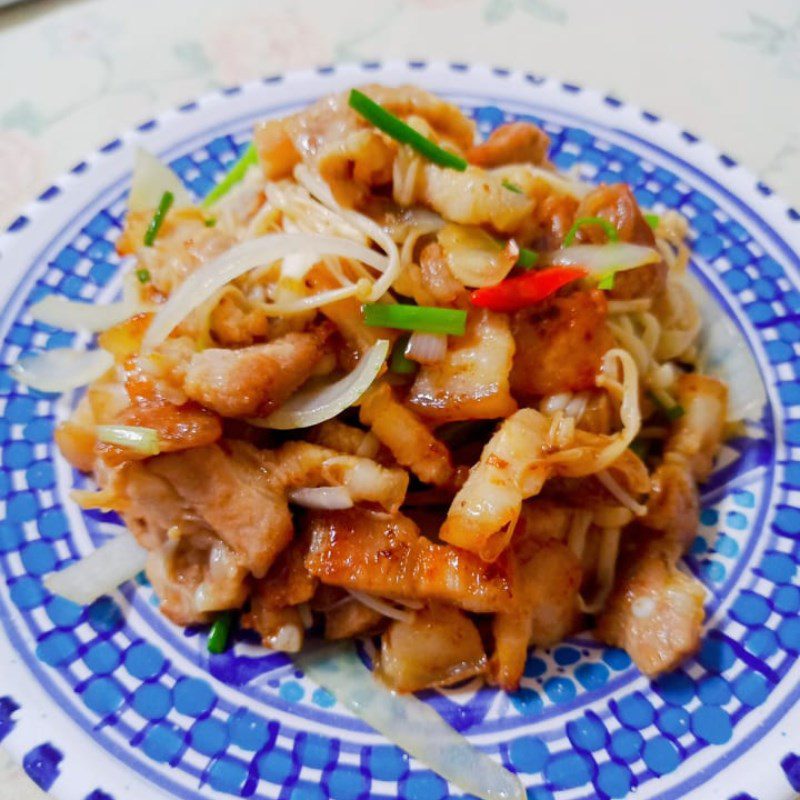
[(728, 70)]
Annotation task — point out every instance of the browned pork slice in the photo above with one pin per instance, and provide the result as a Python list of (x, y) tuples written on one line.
[(473, 197), (697, 434), (512, 143), (184, 242), (617, 205), (349, 439), (302, 465), (438, 646), (674, 503), (254, 380), (195, 577), (280, 628), (409, 439), (223, 487), (546, 580), (559, 345), (348, 151), (288, 582), (385, 555), (472, 381), (349, 618), (655, 612)]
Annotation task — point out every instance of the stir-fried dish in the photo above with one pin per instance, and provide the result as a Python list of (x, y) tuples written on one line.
[(392, 381)]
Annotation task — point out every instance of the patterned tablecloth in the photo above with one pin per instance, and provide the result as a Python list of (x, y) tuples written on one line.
[(75, 72)]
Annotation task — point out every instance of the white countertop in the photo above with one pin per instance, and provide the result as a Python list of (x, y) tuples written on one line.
[(75, 73)]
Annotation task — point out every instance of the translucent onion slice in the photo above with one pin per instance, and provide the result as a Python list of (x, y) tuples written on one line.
[(61, 369), (426, 348), (150, 180), (600, 258), (218, 272), (74, 315), (409, 723), (320, 402), (330, 498), (474, 257), (382, 606), (100, 572)]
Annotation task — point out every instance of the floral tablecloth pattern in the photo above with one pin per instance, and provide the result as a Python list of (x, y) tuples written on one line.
[(74, 73)]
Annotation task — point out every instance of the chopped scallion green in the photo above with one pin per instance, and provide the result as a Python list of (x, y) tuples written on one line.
[(395, 127), (130, 437), (143, 275), (527, 258), (210, 222), (652, 220), (235, 174), (512, 187), (220, 633), (399, 364), (427, 319), (641, 447), (672, 412), (606, 281), (610, 231), (675, 412), (158, 218)]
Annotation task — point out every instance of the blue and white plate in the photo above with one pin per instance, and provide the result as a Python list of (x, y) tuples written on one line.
[(112, 702)]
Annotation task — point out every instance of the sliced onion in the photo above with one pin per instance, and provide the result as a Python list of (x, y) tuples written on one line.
[(474, 257), (214, 274), (100, 572), (318, 403), (381, 606), (600, 258), (73, 315), (61, 369), (427, 348), (330, 498), (409, 723), (150, 180)]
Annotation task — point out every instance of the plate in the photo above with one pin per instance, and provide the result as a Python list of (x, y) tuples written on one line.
[(112, 702)]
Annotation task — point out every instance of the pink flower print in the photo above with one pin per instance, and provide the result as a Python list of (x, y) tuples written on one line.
[(258, 44)]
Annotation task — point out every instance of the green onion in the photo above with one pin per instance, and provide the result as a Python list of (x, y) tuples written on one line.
[(210, 222), (675, 412), (512, 187), (158, 218), (672, 412), (641, 447), (527, 258), (393, 126), (235, 174), (399, 363), (611, 232), (130, 437), (220, 633), (652, 220), (415, 318), (143, 275), (606, 281)]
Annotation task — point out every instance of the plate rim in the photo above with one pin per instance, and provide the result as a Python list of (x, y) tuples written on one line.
[(784, 219)]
